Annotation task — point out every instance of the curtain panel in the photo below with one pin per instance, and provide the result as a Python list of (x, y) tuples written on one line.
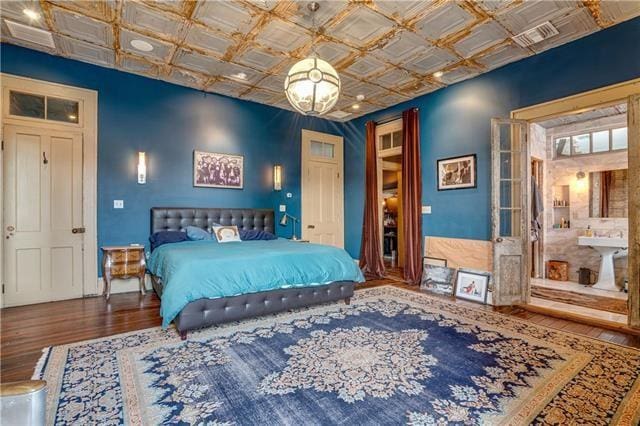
[(412, 196), (370, 248)]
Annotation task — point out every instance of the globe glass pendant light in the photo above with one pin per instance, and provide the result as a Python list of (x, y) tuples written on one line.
[(312, 85)]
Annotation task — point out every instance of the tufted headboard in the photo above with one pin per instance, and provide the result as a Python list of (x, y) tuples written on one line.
[(178, 218)]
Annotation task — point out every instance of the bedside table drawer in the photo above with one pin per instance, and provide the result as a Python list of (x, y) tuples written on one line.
[(123, 269), (122, 256)]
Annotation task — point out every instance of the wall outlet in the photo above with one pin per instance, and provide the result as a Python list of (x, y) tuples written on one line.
[(283, 208), (118, 204), (426, 209), (289, 195)]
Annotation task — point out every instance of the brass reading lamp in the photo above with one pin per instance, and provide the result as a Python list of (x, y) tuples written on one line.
[(285, 220)]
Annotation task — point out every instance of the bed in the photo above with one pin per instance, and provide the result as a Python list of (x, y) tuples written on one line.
[(204, 283)]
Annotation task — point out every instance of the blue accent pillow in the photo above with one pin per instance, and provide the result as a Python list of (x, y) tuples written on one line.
[(255, 234), (166, 237), (198, 234)]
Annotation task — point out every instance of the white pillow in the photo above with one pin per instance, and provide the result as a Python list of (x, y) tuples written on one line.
[(226, 234)]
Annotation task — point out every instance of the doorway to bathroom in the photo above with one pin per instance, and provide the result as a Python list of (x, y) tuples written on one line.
[(579, 212), (583, 191)]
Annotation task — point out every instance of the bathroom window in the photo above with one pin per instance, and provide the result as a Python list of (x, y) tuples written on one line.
[(591, 143)]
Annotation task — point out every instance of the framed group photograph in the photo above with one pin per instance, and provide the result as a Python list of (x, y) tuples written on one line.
[(472, 286), (457, 172), (213, 170)]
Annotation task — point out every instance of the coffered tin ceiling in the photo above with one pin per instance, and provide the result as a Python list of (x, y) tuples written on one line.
[(386, 50)]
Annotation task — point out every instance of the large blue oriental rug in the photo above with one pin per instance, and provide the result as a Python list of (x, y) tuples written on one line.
[(391, 357)]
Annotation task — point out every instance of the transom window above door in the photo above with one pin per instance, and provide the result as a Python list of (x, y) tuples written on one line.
[(43, 107), (591, 142)]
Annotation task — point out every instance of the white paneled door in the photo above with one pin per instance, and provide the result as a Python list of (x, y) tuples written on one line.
[(43, 235), (322, 188)]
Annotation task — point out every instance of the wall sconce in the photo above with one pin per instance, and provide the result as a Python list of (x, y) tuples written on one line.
[(581, 183), (277, 177), (142, 168)]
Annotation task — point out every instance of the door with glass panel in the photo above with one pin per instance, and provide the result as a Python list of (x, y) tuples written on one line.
[(322, 188), (511, 179), (633, 265)]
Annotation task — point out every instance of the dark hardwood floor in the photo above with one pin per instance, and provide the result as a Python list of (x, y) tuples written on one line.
[(26, 330)]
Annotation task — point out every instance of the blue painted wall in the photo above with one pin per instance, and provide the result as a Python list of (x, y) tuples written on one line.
[(456, 121), (168, 122)]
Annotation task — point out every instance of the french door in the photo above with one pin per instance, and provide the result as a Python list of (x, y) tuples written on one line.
[(511, 180)]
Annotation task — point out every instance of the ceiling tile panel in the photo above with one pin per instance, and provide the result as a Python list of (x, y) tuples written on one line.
[(433, 60), (403, 46), (532, 13), (275, 83), (494, 5), (82, 27), (14, 11), (195, 61), (105, 10), (282, 36), (402, 10), (298, 12), (616, 11), (362, 88), (137, 65), (186, 78), (481, 38), (393, 78), (388, 98), (264, 4), (502, 55), (365, 66), (361, 27), (258, 58), (86, 52), (156, 21), (176, 6), (418, 88), (572, 26), (333, 52), (227, 16), (241, 74), (202, 38), (459, 74), (444, 21), (262, 96), (162, 50), (229, 88)]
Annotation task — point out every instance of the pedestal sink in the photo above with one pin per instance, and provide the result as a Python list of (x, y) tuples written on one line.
[(607, 247)]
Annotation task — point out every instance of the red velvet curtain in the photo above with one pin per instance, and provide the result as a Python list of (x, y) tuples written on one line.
[(370, 252), (411, 196), (606, 178)]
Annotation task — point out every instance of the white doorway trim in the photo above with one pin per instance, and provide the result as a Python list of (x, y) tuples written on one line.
[(88, 126), (338, 159)]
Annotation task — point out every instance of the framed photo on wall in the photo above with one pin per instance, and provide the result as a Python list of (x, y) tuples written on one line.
[(213, 170), (457, 172), (472, 286)]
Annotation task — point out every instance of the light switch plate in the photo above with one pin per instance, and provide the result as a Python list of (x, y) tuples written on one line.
[(283, 208), (118, 204), (426, 209)]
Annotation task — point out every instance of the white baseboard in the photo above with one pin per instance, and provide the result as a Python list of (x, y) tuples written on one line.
[(124, 286)]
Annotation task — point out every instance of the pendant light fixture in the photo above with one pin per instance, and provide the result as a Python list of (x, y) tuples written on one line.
[(312, 85)]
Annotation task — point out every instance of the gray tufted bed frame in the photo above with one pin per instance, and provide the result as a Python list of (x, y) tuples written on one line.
[(206, 312)]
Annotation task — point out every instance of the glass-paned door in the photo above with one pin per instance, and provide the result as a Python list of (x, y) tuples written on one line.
[(511, 182)]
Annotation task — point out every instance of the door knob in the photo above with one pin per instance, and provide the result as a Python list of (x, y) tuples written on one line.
[(499, 240), (78, 230), (10, 228), (311, 227)]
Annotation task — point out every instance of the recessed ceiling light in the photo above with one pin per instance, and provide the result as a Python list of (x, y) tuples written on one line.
[(438, 74), (239, 76), (355, 106), (141, 45), (31, 14), (360, 97)]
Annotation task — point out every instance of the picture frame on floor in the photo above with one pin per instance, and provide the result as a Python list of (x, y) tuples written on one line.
[(472, 286), (435, 261), (457, 172), (438, 279)]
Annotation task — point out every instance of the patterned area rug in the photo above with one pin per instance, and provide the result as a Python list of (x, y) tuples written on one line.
[(391, 357)]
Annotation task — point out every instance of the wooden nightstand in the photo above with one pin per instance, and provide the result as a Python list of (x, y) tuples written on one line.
[(122, 262)]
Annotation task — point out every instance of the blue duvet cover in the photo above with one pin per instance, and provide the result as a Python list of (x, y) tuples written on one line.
[(194, 270)]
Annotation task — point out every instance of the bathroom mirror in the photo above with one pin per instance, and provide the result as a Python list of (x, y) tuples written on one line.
[(608, 193)]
